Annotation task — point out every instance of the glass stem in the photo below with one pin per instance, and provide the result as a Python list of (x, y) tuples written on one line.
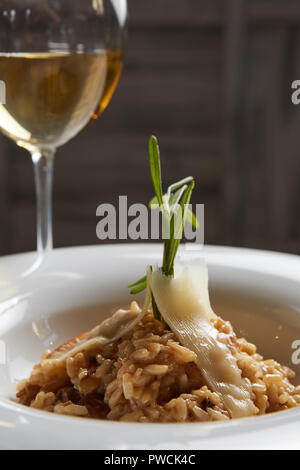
[(43, 163)]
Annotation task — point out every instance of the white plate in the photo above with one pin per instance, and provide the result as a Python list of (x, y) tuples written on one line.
[(40, 302)]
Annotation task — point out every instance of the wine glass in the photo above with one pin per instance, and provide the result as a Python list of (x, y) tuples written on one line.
[(60, 61)]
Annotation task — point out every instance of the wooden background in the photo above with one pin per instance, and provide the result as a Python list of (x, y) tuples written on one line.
[(212, 79)]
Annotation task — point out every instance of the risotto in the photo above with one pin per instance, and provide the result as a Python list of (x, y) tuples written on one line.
[(148, 376), (174, 359)]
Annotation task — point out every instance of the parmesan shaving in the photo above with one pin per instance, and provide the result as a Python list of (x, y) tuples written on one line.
[(184, 304)]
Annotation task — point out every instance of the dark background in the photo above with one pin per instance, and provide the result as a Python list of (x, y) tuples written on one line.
[(212, 79)]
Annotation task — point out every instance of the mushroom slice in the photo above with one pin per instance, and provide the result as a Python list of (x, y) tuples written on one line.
[(110, 330)]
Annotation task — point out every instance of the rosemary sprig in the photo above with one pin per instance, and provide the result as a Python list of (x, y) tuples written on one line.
[(177, 198), (138, 286)]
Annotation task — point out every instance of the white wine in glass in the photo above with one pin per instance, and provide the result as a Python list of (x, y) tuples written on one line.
[(50, 97), (52, 92)]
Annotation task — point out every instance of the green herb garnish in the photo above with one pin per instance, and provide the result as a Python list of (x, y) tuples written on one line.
[(176, 213)]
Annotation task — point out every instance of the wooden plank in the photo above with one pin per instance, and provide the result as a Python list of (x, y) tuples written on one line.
[(5, 187), (192, 49), (3, 200), (262, 167), (181, 82), (273, 216), (234, 50), (276, 11), (291, 139), (208, 13), (168, 102), (175, 12)]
